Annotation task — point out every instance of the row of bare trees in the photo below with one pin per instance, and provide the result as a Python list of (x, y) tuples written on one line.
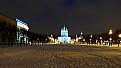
[(37, 38), (103, 36)]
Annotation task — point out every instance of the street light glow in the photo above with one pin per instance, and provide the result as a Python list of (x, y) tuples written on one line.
[(119, 35), (90, 36), (110, 32), (110, 39), (100, 37)]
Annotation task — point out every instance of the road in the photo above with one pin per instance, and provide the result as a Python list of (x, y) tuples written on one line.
[(60, 56)]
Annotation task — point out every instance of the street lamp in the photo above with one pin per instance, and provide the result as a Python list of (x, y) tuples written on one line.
[(110, 39), (119, 39), (91, 39), (110, 32), (100, 40), (119, 35), (38, 40), (90, 36)]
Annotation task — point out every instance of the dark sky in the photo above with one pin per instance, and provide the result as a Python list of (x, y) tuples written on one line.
[(48, 16)]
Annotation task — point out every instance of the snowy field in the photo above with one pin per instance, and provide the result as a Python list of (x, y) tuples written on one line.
[(60, 56)]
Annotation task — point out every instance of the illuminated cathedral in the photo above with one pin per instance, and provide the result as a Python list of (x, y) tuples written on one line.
[(64, 36)]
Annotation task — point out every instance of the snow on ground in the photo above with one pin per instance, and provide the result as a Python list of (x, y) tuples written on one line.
[(60, 56)]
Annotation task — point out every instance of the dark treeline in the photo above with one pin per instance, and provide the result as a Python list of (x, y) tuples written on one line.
[(35, 37), (104, 36)]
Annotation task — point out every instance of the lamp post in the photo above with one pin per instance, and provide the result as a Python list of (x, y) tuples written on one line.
[(119, 39), (91, 39), (100, 40), (110, 39), (38, 40)]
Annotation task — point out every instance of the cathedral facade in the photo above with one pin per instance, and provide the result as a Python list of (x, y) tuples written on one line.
[(64, 36)]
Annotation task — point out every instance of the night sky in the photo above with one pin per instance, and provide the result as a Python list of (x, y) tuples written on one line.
[(48, 16)]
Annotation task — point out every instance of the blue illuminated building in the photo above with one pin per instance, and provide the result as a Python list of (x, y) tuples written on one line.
[(64, 36)]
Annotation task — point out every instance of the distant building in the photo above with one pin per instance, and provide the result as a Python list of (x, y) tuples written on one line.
[(8, 28), (81, 38), (64, 36), (12, 31), (22, 29)]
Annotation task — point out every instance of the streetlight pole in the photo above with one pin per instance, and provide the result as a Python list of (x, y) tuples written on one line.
[(38, 40), (100, 40), (90, 39), (119, 39), (110, 39)]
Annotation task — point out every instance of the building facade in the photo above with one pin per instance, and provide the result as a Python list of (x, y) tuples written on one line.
[(22, 28), (64, 36), (8, 28)]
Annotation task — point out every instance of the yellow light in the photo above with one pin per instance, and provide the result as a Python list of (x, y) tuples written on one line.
[(119, 35), (110, 32), (79, 37), (110, 39), (91, 36), (100, 37), (83, 39)]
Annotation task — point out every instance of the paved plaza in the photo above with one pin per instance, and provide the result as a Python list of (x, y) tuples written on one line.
[(60, 56)]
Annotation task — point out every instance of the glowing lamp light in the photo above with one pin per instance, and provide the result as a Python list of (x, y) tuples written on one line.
[(90, 36), (110, 32), (100, 37), (110, 39), (119, 35), (83, 39)]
